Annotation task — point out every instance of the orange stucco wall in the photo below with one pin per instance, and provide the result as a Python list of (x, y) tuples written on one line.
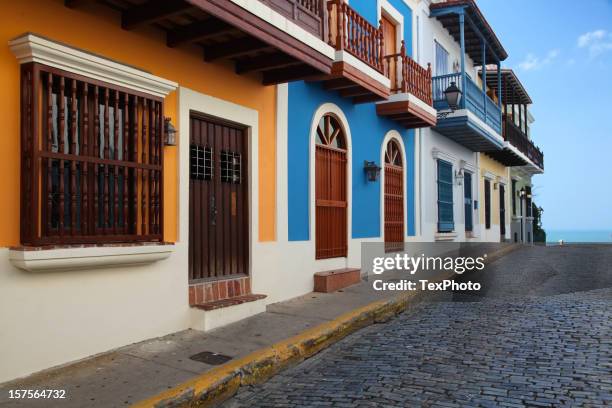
[(97, 29)]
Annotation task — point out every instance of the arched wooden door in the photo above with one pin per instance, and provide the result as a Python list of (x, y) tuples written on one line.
[(394, 194), (330, 189)]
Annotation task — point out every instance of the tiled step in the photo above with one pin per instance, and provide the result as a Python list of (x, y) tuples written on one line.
[(238, 300), (331, 281)]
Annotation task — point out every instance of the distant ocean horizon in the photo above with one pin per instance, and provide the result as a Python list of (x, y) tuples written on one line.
[(579, 236)]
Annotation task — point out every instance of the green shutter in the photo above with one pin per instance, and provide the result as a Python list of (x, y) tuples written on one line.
[(445, 197)]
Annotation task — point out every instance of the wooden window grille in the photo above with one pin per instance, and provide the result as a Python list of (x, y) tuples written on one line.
[(91, 162)]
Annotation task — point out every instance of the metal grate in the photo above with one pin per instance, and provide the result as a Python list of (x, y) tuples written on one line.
[(230, 167), (208, 357), (201, 163)]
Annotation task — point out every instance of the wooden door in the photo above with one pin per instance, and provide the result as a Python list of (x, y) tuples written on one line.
[(390, 43), (502, 210), (330, 190), (218, 200), (487, 203), (394, 196), (467, 201)]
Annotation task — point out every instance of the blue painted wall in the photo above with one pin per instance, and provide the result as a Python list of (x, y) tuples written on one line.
[(367, 132), (368, 9)]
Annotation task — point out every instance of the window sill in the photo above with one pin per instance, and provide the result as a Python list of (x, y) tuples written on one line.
[(445, 236), (42, 259)]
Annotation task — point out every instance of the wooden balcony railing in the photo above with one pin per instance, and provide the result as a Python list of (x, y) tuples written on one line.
[(413, 78), (518, 139), (309, 14), (314, 6), (350, 32)]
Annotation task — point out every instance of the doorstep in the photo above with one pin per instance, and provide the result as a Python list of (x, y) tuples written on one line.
[(331, 281), (221, 302)]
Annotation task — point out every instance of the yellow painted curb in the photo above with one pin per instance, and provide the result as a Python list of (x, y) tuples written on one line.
[(219, 384)]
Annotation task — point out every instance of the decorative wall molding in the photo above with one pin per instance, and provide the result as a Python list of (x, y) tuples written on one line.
[(441, 155), (34, 48), (488, 175), (467, 166)]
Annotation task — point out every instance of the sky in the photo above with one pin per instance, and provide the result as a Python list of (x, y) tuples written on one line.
[(561, 51)]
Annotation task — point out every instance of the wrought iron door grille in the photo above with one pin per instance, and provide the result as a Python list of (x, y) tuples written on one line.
[(201, 161), (230, 167)]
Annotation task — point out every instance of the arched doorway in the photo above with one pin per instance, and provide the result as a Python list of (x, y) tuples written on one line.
[(394, 196), (330, 189)]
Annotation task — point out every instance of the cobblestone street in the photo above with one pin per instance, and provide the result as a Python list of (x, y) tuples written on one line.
[(539, 334)]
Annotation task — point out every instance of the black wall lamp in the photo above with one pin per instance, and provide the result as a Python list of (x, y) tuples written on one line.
[(170, 132), (372, 170), (452, 94)]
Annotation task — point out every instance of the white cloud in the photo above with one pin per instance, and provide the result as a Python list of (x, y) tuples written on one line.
[(596, 42), (533, 62)]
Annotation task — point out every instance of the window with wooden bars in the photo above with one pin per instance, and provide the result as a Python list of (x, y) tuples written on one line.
[(446, 222), (92, 157)]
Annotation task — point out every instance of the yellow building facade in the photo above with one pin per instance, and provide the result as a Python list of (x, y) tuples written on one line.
[(493, 210)]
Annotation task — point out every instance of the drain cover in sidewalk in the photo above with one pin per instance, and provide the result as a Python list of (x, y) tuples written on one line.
[(211, 358)]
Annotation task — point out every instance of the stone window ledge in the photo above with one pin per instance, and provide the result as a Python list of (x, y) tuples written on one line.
[(78, 257)]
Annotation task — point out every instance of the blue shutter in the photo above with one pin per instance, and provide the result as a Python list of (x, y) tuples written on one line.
[(445, 197)]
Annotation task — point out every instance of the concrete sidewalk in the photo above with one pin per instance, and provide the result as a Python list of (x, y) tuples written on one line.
[(160, 372)]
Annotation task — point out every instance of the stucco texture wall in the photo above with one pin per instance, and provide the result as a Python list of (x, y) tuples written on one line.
[(97, 29)]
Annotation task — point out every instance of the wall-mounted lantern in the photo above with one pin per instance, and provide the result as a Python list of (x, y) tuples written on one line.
[(459, 175), (170, 132), (521, 192), (452, 94), (372, 170)]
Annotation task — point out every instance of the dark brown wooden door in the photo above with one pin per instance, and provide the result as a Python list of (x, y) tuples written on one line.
[(218, 200), (394, 194), (330, 190), (390, 44), (502, 211)]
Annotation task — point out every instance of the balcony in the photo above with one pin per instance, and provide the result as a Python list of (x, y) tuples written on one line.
[(477, 123), (518, 149), (515, 136), (411, 102), (257, 36), (358, 68)]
